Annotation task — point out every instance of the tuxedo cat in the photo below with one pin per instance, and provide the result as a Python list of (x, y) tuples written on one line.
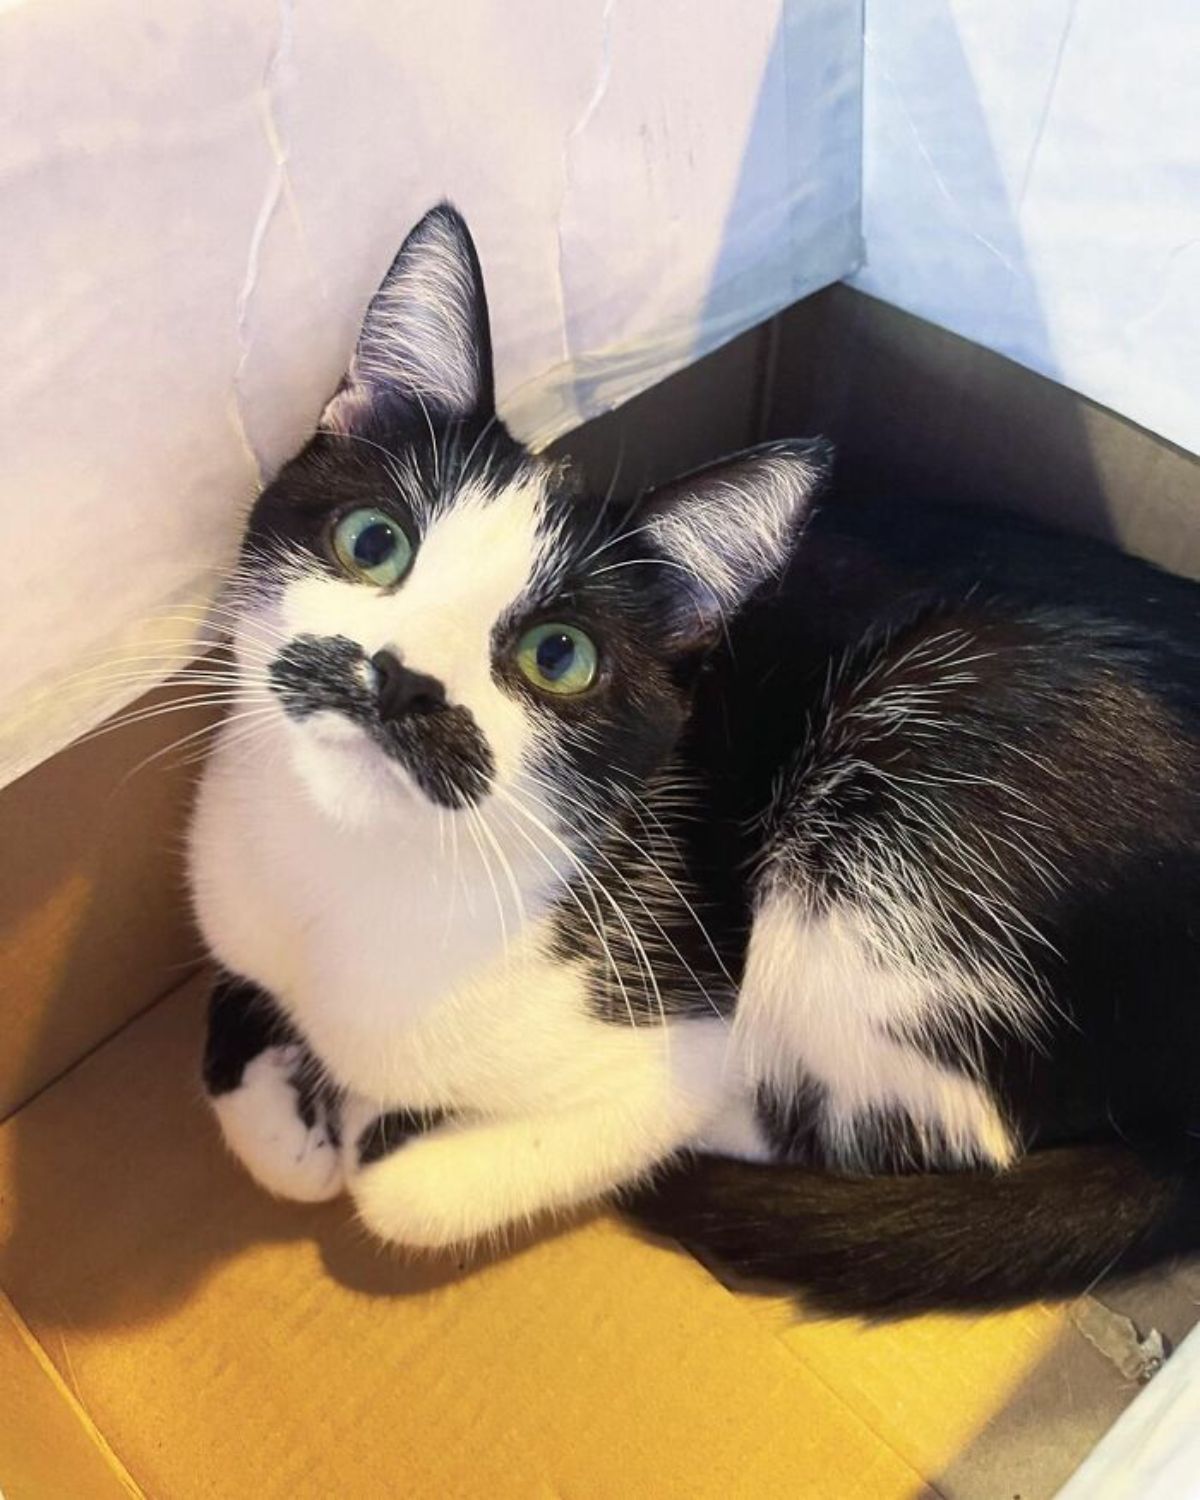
[(821, 883)]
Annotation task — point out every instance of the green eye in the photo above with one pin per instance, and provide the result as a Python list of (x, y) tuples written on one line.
[(372, 547), (558, 658)]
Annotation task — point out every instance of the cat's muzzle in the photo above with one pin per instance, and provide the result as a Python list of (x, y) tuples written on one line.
[(404, 713)]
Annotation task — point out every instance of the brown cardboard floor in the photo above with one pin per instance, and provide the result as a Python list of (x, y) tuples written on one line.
[(221, 1344)]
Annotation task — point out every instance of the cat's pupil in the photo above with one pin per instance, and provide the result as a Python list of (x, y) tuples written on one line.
[(555, 654), (374, 544)]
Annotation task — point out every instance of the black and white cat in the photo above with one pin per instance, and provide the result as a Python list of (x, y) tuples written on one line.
[(825, 885)]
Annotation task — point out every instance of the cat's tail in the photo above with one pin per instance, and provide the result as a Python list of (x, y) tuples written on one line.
[(1050, 1226)]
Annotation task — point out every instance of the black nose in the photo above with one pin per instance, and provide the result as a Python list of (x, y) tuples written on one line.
[(401, 692)]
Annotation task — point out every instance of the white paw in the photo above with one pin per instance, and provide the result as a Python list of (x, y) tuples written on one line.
[(262, 1125), (431, 1193)]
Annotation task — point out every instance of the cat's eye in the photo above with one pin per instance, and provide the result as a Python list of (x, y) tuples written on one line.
[(558, 658), (372, 547)]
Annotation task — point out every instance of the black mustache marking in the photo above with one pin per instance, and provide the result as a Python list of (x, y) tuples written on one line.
[(444, 751)]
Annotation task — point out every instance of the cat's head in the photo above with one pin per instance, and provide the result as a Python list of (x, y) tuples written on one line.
[(445, 620)]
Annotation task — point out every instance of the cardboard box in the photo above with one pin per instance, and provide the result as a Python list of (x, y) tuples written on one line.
[(167, 1330), (177, 1331)]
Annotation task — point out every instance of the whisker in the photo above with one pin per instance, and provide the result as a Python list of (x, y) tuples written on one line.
[(596, 924), (634, 941), (205, 729), (437, 470), (141, 716), (472, 816), (483, 431), (673, 886)]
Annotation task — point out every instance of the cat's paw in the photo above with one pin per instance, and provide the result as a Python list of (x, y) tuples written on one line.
[(284, 1134), (428, 1191)]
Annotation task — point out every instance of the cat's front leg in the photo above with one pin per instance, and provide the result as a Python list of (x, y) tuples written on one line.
[(458, 1183), (265, 1088), (426, 1182)]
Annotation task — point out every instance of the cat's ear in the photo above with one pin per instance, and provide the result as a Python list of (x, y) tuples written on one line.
[(725, 529), (425, 338)]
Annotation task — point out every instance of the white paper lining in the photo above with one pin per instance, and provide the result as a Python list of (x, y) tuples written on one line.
[(200, 199)]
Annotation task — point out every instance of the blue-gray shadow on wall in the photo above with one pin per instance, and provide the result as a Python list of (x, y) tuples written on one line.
[(781, 243)]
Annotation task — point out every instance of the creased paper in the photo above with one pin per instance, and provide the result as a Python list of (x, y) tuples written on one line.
[(200, 198)]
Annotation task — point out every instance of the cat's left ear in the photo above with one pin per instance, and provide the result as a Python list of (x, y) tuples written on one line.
[(725, 529), (425, 339)]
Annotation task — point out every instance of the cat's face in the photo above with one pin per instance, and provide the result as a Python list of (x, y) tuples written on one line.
[(445, 621), (454, 632)]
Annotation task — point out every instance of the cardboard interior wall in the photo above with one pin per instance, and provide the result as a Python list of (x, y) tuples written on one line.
[(165, 1316), (197, 206), (1032, 182)]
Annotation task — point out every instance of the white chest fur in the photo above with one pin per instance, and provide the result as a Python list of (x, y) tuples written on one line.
[(419, 972), (416, 994)]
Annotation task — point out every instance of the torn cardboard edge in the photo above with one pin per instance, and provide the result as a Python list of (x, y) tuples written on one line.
[(1152, 1451), (1137, 1357)]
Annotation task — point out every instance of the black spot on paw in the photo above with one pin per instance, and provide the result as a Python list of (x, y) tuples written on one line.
[(387, 1133), (306, 1105), (316, 1099)]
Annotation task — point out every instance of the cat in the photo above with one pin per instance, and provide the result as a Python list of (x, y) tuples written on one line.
[(819, 882)]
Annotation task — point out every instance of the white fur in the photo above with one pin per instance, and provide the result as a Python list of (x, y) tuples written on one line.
[(820, 995), (736, 530), (262, 1127), (412, 948), (636, 1097), (420, 988), (418, 333), (475, 561), (410, 945)]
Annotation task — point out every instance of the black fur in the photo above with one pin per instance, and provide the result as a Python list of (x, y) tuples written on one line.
[(442, 750), (243, 1021), (1067, 769), (1079, 731), (1051, 1226), (387, 1133), (789, 1125)]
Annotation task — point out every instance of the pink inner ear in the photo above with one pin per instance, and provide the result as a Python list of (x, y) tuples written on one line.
[(423, 336), (345, 411), (730, 528)]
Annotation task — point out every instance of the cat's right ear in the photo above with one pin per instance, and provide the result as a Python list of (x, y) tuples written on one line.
[(725, 529), (425, 339)]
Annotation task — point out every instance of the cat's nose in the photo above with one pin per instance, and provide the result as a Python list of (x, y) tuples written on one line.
[(401, 692)]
